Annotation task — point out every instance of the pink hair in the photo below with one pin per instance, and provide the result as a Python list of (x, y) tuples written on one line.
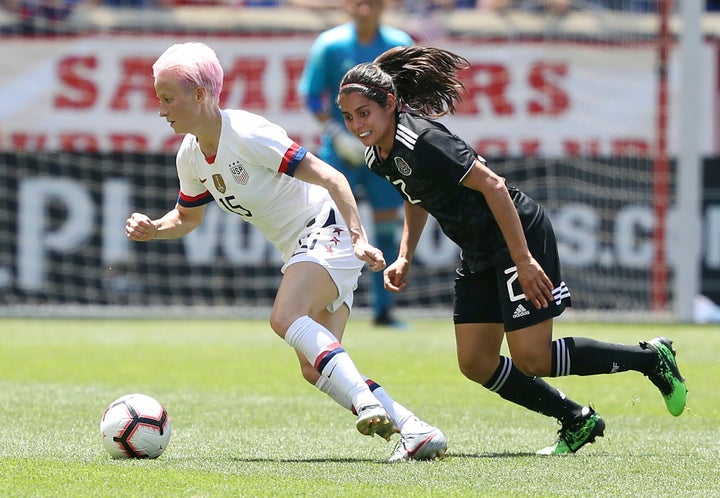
[(195, 65)]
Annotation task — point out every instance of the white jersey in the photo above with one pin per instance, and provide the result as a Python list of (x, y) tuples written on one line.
[(252, 176)]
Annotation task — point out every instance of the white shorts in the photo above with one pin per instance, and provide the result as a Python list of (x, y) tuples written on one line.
[(327, 243)]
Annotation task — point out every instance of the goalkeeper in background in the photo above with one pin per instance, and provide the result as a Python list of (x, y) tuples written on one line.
[(305, 208), (333, 53)]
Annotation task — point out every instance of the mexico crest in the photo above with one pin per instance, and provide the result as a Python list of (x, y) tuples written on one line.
[(402, 167)]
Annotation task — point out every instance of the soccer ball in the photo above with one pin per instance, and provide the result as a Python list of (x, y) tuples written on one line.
[(135, 426)]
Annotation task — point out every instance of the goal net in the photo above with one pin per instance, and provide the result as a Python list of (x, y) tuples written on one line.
[(565, 107)]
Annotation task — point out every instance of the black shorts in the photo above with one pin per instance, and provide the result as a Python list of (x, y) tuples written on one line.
[(494, 295)]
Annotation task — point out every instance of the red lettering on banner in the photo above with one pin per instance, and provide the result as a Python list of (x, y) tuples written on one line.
[(135, 76), (496, 79), (128, 143), (630, 147), (576, 148), (293, 70), (530, 147), (85, 92), (553, 100), (490, 147), (78, 142), (28, 141), (250, 71)]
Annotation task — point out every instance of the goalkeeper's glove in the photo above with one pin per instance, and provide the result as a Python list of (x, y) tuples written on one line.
[(347, 146)]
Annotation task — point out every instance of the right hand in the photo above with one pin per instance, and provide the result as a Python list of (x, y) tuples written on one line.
[(347, 146), (395, 275), (140, 228)]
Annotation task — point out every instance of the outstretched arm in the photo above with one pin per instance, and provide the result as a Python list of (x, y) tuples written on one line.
[(313, 170), (395, 275), (176, 223), (536, 285)]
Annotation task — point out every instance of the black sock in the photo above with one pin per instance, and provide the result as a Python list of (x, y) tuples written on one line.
[(531, 392), (583, 356)]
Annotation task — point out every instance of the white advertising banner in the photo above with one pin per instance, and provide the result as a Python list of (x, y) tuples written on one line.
[(523, 98)]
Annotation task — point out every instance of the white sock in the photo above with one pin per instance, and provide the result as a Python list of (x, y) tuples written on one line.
[(324, 352), (404, 419), (328, 388)]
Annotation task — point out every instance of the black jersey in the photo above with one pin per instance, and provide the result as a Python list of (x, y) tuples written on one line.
[(426, 165)]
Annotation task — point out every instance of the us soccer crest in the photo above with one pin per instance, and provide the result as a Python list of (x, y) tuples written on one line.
[(402, 167), (239, 173)]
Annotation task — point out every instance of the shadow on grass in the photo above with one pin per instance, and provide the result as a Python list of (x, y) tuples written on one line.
[(306, 460), (505, 454), (516, 455), (371, 460)]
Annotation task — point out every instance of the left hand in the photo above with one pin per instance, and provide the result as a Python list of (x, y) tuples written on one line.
[(370, 254)]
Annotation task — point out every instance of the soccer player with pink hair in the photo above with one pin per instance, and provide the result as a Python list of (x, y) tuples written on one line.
[(305, 208)]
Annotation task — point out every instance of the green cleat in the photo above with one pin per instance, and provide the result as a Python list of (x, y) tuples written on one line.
[(577, 434), (666, 375)]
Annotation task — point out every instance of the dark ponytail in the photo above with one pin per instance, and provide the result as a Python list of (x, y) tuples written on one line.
[(424, 79)]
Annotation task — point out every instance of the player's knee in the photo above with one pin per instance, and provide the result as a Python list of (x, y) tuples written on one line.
[(531, 365), (280, 322), (475, 371)]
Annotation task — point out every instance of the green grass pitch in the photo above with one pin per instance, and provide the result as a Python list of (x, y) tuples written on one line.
[(246, 424)]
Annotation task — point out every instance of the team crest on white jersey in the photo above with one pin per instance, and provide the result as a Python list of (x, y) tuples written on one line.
[(219, 183), (239, 173), (402, 167)]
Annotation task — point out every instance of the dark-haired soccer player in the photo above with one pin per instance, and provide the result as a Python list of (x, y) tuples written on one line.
[(509, 283)]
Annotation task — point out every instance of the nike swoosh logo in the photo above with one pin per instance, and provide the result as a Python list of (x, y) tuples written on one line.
[(203, 180), (331, 371)]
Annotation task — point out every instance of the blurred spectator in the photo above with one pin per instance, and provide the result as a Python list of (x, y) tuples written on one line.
[(43, 17), (230, 3), (554, 7), (561, 7), (421, 19), (317, 4), (137, 4), (425, 6), (132, 4), (638, 6)]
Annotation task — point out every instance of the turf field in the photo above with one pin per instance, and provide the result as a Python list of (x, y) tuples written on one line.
[(246, 424)]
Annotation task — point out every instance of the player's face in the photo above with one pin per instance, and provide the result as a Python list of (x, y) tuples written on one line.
[(372, 123), (365, 10), (178, 106)]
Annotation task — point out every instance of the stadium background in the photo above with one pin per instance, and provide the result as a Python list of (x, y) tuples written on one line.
[(566, 108)]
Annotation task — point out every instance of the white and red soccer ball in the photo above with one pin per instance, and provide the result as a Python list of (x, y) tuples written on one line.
[(135, 426)]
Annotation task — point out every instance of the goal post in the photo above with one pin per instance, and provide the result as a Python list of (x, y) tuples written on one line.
[(689, 199), (661, 164)]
